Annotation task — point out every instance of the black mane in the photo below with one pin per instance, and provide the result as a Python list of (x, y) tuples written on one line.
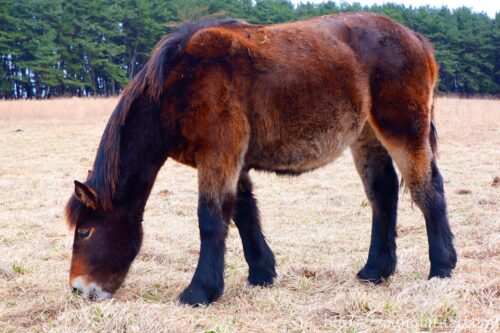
[(148, 82)]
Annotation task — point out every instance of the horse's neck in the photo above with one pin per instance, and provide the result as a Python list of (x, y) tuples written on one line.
[(141, 155), (137, 186)]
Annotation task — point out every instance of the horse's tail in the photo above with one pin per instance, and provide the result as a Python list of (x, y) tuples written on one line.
[(433, 137), (434, 73)]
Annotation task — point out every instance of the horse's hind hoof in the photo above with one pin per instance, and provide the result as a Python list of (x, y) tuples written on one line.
[(441, 273), (262, 277), (370, 275)]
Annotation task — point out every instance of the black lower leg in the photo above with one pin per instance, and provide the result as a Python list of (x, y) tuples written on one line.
[(381, 186), (433, 204), (380, 182), (258, 255), (207, 284)]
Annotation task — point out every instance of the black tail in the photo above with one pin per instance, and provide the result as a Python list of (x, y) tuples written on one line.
[(433, 137)]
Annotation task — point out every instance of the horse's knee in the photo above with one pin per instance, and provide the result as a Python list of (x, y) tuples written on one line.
[(212, 218)]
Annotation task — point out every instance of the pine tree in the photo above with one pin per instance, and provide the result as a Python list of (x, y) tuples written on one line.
[(273, 11), (144, 23), (45, 54), (55, 48), (496, 51), (8, 36)]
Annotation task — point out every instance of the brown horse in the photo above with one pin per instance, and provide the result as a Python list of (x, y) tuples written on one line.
[(226, 97)]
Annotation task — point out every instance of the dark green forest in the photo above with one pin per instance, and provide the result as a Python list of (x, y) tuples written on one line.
[(52, 48)]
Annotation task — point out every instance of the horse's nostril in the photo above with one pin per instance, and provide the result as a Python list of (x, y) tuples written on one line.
[(76, 291)]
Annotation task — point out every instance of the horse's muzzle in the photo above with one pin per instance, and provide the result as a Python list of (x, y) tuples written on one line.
[(90, 290)]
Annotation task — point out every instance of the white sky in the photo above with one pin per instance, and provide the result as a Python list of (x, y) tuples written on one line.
[(491, 7)]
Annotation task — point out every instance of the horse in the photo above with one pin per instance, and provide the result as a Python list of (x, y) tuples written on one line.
[(226, 97)]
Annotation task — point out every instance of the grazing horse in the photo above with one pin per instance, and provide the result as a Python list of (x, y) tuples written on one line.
[(226, 97)]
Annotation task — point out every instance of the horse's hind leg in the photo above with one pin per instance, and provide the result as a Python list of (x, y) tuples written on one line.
[(260, 258), (409, 137), (380, 181), (431, 200)]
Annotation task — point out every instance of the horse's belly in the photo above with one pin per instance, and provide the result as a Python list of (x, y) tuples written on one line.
[(295, 156)]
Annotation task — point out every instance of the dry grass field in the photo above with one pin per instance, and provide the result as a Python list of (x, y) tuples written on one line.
[(318, 226)]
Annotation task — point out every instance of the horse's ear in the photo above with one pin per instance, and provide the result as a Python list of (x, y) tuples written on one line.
[(86, 194)]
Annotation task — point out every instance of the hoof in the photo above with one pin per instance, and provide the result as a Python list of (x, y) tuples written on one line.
[(441, 273), (195, 295), (370, 275), (261, 276)]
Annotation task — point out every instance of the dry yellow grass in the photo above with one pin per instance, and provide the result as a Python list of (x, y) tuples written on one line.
[(71, 110), (318, 226)]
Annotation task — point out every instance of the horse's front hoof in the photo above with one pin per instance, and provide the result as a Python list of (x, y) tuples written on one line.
[(441, 273), (370, 275), (262, 276), (195, 295)]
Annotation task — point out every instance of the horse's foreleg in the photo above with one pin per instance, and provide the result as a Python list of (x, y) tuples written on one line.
[(260, 258), (219, 165), (215, 204), (380, 181), (207, 283)]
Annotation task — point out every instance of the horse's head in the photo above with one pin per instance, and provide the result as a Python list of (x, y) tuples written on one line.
[(106, 242)]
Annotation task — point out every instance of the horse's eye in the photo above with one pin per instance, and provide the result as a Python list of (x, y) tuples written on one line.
[(83, 233)]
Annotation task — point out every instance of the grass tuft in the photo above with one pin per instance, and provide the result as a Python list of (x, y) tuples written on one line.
[(18, 268)]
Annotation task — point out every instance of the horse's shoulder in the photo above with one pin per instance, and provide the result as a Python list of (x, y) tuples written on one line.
[(219, 41)]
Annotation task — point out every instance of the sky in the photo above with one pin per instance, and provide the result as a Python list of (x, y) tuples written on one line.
[(491, 7)]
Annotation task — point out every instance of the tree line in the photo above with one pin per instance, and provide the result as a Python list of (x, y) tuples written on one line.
[(52, 48)]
